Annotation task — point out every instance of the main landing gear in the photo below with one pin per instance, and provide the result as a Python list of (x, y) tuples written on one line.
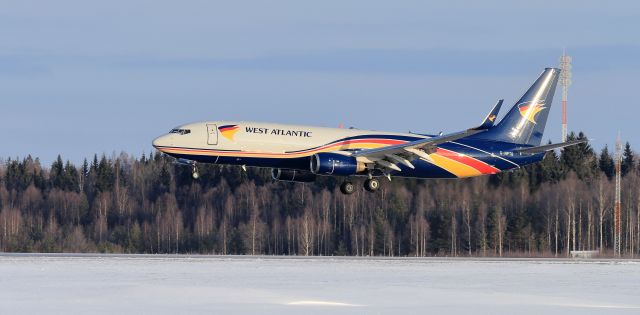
[(347, 187), (370, 185)]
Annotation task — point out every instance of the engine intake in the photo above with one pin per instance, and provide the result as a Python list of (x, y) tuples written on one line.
[(292, 175), (335, 164)]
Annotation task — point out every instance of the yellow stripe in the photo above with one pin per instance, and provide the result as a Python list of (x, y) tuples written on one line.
[(454, 167)]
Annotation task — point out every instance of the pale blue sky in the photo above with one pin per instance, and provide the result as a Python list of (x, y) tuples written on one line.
[(84, 77)]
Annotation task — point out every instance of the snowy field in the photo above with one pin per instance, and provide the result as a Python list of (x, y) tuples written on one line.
[(149, 284)]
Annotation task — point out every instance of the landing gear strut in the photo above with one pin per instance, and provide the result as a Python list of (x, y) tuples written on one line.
[(347, 187), (194, 172), (371, 185)]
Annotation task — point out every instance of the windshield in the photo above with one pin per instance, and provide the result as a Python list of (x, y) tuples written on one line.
[(181, 131)]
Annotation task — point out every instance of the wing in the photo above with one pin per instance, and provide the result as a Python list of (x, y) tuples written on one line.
[(389, 156)]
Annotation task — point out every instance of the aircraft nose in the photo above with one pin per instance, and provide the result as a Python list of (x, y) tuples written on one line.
[(160, 141)]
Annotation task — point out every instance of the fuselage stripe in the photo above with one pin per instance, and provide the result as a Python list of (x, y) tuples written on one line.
[(345, 145), (349, 142), (228, 127), (454, 167), (481, 166)]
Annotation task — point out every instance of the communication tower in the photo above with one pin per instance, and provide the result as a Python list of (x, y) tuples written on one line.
[(565, 82), (617, 220)]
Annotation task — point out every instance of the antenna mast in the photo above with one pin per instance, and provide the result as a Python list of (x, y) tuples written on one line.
[(565, 82), (617, 206)]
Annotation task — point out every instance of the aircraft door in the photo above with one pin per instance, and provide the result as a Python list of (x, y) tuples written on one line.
[(212, 134)]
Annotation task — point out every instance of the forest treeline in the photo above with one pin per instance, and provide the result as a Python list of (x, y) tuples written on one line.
[(123, 204)]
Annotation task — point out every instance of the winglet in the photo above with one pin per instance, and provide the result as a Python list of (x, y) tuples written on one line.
[(490, 120)]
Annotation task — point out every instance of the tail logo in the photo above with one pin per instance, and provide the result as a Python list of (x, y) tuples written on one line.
[(530, 111), (492, 118), (228, 131)]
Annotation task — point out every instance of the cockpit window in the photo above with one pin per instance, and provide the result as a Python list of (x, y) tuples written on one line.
[(181, 131)]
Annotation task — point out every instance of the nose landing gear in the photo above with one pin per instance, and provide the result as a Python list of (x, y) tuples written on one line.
[(194, 171)]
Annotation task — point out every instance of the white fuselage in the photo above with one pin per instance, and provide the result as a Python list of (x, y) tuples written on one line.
[(267, 140), (292, 147)]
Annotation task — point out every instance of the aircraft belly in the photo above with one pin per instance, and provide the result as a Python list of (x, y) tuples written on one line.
[(301, 163)]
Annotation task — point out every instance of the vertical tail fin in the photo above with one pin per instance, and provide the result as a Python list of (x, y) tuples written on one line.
[(525, 121)]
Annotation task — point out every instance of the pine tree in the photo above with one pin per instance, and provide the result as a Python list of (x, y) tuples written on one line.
[(70, 178), (56, 173), (606, 163), (628, 161), (579, 158), (85, 168), (550, 168), (105, 175), (94, 164)]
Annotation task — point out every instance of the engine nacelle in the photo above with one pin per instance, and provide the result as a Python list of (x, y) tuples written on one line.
[(335, 164), (292, 175)]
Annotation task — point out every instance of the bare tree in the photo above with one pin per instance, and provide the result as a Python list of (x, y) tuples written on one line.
[(466, 211), (482, 223), (602, 210), (10, 222), (102, 206), (306, 233)]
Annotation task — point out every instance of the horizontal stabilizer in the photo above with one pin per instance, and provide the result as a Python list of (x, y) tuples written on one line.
[(549, 147)]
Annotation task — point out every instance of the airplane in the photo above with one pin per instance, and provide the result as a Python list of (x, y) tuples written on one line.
[(299, 153)]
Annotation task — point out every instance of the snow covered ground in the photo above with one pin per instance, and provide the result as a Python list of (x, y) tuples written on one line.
[(150, 284)]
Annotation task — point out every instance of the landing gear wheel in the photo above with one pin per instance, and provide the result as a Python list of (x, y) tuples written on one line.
[(347, 188), (371, 185)]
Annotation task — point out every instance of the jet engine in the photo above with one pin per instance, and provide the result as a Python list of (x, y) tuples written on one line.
[(335, 164), (292, 175)]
